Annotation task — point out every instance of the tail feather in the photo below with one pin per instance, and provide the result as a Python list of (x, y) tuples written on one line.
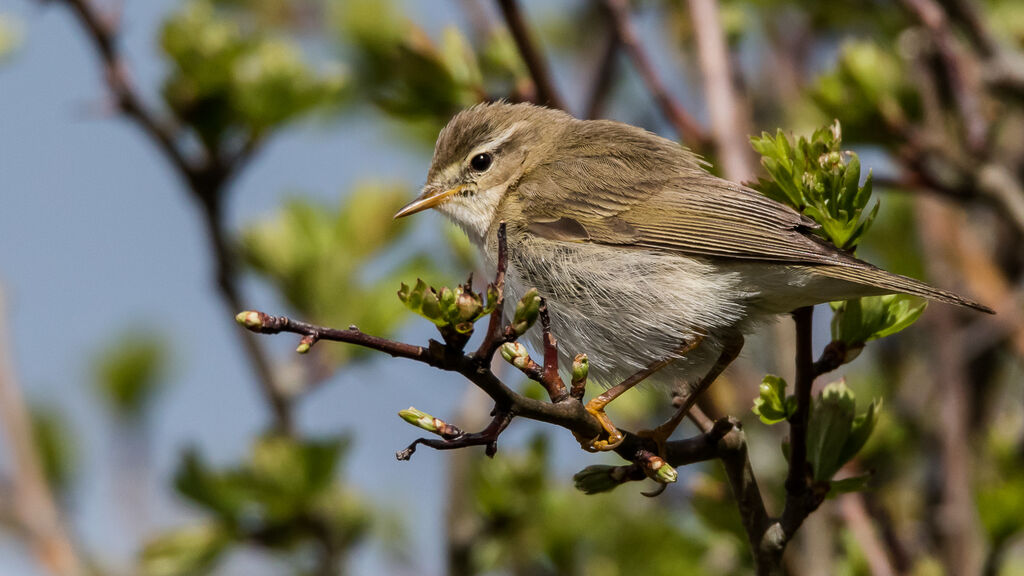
[(870, 275)]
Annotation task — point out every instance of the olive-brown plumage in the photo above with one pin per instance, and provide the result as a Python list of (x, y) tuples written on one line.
[(635, 246)]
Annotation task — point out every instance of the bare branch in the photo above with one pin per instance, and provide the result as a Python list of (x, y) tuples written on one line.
[(728, 116), (966, 88), (207, 178), (852, 508), (32, 502), (101, 33), (604, 73), (687, 128), (535, 63)]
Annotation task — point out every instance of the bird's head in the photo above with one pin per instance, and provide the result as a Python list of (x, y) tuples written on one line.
[(480, 154)]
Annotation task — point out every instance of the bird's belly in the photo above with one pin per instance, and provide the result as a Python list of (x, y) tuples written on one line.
[(628, 308)]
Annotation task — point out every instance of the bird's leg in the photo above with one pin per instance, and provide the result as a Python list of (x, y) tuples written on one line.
[(730, 350), (596, 405)]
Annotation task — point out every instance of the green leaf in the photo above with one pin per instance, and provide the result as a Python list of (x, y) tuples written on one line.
[(835, 432), (858, 321), (847, 485), (860, 430), (772, 405), (190, 551), (828, 429)]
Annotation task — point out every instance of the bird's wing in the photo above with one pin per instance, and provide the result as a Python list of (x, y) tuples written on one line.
[(696, 214)]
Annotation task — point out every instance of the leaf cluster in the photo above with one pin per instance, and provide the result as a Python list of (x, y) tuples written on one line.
[(409, 76), (457, 309), (230, 77), (836, 431), (817, 178), (284, 498)]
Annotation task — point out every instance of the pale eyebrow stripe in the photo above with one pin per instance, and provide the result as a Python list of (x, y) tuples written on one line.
[(497, 140)]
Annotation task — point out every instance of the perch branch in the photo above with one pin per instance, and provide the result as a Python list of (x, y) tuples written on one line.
[(535, 63)]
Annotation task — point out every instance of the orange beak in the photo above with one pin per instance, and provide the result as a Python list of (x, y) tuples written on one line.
[(429, 198)]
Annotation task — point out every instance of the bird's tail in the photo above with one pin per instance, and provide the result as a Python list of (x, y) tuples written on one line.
[(869, 275)]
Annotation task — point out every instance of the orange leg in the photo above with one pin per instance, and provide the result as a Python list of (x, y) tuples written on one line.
[(730, 351), (597, 405)]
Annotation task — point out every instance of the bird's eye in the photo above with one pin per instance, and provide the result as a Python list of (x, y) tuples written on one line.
[(480, 162)]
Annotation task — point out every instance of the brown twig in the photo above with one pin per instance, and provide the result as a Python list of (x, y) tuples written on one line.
[(857, 519), (687, 128), (496, 335), (32, 502), (727, 115), (722, 439), (535, 63), (965, 87), (549, 378), (604, 73)]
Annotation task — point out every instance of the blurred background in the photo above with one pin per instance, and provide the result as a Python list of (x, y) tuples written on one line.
[(165, 164)]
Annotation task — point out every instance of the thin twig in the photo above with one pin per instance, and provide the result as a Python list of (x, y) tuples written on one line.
[(966, 89), (535, 63), (32, 502), (687, 128), (727, 115), (857, 519), (604, 75)]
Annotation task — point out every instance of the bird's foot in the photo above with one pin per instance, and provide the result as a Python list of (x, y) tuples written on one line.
[(597, 444)]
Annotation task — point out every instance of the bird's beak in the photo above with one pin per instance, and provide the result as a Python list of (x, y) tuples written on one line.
[(429, 198)]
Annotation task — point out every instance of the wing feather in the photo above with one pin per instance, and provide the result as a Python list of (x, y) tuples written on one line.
[(678, 207)]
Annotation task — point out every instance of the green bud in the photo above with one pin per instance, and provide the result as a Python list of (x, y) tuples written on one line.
[(251, 319), (580, 368), (527, 310), (515, 354), (598, 478), (419, 419), (664, 473), (305, 344), (415, 298), (656, 468), (431, 309), (468, 307), (447, 300), (492, 297)]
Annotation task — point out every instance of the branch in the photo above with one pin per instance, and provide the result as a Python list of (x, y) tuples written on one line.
[(728, 117), (966, 89), (207, 178), (546, 93), (686, 127), (32, 502), (801, 500), (101, 33), (605, 72)]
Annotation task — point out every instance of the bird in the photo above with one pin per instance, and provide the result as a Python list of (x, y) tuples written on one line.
[(647, 262)]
